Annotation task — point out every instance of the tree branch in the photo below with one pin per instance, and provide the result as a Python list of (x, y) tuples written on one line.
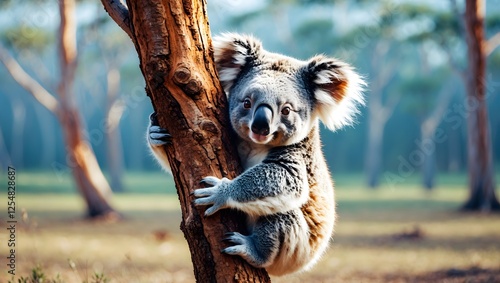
[(119, 13), (492, 44), (387, 110), (28, 83), (67, 51), (432, 121), (116, 106)]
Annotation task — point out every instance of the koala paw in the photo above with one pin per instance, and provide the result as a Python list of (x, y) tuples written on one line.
[(157, 136), (239, 241), (214, 195)]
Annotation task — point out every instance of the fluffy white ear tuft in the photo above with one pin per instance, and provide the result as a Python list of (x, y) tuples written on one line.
[(232, 52), (338, 91)]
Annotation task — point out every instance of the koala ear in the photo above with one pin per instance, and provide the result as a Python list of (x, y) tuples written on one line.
[(232, 52), (337, 90)]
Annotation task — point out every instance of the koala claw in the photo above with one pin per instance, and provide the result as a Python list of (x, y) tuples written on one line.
[(214, 181), (157, 135), (215, 202), (239, 241), (213, 196), (235, 238), (235, 250)]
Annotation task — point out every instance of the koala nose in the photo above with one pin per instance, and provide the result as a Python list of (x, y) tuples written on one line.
[(261, 120)]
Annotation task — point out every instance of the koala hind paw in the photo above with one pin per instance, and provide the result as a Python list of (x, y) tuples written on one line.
[(235, 238)]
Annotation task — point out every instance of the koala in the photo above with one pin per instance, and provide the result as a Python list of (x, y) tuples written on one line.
[(286, 190)]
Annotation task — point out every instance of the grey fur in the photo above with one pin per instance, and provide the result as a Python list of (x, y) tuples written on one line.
[(275, 103)]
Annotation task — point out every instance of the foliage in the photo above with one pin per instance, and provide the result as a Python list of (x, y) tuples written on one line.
[(421, 90), (27, 38), (39, 276)]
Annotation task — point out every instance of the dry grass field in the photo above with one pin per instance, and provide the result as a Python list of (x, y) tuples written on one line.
[(390, 235)]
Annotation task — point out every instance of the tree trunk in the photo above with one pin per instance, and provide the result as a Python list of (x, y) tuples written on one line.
[(374, 151), (113, 137), (379, 111), (89, 178), (172, 39), (80, 157), (428, 129), (427, 148), (115, 159), (429, 170), (5, 159), (48, 140), (480, 164), (86, 171), (18, 132)]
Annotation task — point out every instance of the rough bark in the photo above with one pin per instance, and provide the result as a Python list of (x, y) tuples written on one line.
[(172, 39), (480, 164)]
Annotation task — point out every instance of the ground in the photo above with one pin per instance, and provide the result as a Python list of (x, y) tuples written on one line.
[(394, 234)]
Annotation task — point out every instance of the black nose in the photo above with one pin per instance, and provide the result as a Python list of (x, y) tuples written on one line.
[(261, 120)]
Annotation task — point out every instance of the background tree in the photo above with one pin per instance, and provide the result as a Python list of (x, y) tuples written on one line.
[(83, 164), (172, 39), (450, 30), (480, 164), (111, 48)]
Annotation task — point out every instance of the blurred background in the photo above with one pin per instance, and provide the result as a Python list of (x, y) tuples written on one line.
[(402, 173)]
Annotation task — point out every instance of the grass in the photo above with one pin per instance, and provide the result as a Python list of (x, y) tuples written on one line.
[(389, 235)]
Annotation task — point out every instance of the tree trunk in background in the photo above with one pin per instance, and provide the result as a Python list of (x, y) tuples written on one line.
[(428, 135), (480, 164), (374, 151), (114, 112), (379, 111), (172, 39), (115, 159), (88, 176), (80, 158), (48, 138), (4, 153), (18, 131), (455, 151)]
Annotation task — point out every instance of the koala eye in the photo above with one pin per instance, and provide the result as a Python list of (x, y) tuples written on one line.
[(247, 104), (285, 111)]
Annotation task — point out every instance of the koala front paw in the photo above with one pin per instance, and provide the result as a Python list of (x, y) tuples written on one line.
[(214, 195), (157, 136)]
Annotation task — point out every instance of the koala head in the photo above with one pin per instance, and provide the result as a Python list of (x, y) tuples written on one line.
[(276, 100)]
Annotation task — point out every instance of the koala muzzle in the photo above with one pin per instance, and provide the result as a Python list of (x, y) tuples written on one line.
[(262, 119)]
